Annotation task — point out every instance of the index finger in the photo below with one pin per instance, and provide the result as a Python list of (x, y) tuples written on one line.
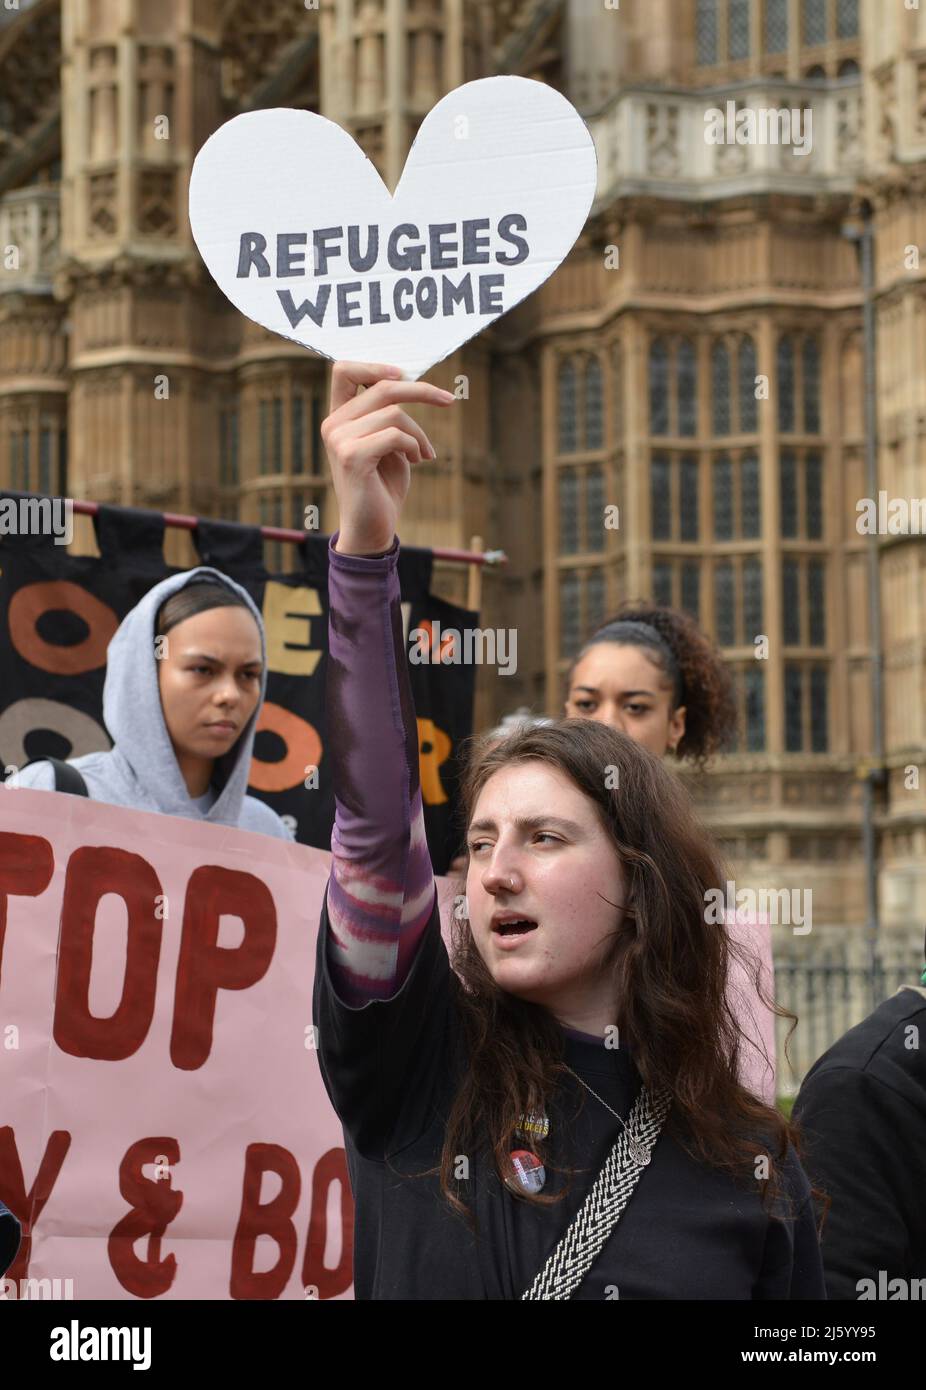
[(347, 376)]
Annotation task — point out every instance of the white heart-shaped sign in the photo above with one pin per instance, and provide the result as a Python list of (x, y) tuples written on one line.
[(302, 235)]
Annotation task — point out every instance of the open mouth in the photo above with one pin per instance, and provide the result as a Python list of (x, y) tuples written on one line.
[(516, 927)]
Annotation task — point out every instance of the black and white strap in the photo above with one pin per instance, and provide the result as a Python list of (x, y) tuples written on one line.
[(582, 1242)]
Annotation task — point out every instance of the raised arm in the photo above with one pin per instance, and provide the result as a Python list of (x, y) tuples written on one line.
[(381, 890)]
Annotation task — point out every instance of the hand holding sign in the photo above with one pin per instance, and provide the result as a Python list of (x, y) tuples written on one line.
[(302, 235), (371, 443)]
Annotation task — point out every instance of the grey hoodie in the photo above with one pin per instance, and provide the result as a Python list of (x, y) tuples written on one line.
[(141, 770)]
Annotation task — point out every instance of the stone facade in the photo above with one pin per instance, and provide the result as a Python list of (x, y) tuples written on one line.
[(627, 379)]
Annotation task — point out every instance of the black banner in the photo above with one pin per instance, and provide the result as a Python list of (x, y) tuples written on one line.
[(59, 612)]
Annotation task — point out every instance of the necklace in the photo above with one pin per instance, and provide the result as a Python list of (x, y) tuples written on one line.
[(638, 1151)]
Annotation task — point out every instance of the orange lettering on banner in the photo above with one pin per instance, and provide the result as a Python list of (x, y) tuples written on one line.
[(303, 749), (154, 1205), (434, 748), (92, 872), (204, 966), (331, 1167), (26, 865), (27, 1206), (273, 1218), (30, 603)]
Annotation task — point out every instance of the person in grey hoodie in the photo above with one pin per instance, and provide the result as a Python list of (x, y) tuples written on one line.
[(186, 675)]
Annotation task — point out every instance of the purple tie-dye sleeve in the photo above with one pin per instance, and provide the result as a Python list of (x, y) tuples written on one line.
[(381, 890)]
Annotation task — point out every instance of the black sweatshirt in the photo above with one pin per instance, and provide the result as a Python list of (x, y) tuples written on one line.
[(688, 1232), (862, 1108)]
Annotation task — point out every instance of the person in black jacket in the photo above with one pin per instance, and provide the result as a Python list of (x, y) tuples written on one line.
[(10, 1237), (862, 1111)]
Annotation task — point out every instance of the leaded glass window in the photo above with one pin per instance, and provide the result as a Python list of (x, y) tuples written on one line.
[(724, 614), (594, 509), (723, 498), (846, 19), (787, 469), (594, 416), (814, 30), (687, 379), (819, 713), (594, 600), (662, 583), (749, 406), (811, 385), (751, 506), (691, 588), (813, 496), (755, 709), (566, 407), (706, 31), (791, 602), (569, 617), (738, 20), (568, 512), (785, 385), (658, 388), (752, 598), (688, 498), (298, 428), (776, 26), (660, 498), (794, 730), (816, 602), (720, 389)]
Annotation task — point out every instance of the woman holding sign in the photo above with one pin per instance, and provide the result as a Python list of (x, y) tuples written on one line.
[(559, 1114)]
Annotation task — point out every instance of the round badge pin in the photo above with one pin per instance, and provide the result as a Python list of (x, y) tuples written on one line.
[(528, 1173)]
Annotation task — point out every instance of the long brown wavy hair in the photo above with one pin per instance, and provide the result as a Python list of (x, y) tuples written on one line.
[(670, 968)]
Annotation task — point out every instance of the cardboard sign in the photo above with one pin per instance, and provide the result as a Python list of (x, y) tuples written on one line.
[(302, 235), (165, 1131)]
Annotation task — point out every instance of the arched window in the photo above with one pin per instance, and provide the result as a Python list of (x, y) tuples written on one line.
[(817, 70), (811, 386), (785, 385), (706, 32), (687, 380), (720, 389), (568, 512), (776, 26), (749, 406), (738, 20), (594, 416), (658, 388), (566, 407), (814, 27), (847, 68)]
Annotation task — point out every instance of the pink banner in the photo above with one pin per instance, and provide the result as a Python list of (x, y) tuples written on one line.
[(165, 1132)]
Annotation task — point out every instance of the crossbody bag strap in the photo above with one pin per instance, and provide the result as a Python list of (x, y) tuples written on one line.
[(584, 1238)]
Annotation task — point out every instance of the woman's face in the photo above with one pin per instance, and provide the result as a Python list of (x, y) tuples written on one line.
[(209, 678), (537, 849), (619, 685)]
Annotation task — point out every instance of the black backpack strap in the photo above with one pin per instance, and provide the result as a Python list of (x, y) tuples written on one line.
[(67, 778)]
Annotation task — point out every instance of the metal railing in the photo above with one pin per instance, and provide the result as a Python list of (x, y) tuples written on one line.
[(830, 991)]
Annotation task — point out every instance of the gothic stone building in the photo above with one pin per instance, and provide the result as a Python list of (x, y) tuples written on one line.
[(628, 380)]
